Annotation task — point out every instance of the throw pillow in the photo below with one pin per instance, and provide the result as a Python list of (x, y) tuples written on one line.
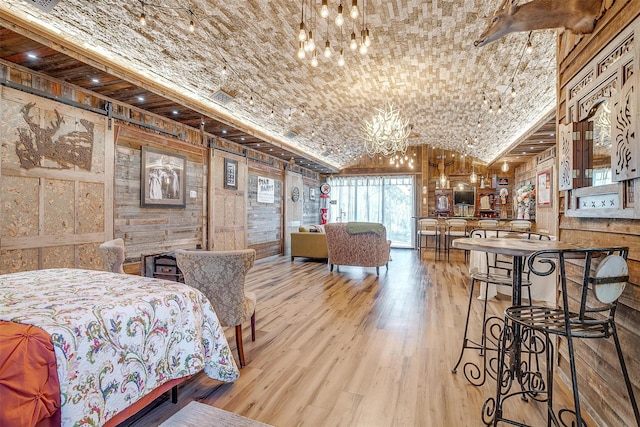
[(303, 229)]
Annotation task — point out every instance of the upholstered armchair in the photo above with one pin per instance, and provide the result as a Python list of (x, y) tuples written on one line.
[(360, 244), (220, 276), (113, 255)]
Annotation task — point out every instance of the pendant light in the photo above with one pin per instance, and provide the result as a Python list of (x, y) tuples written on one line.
[(354, 9), (324, 10), (339, 18), (505, 167)]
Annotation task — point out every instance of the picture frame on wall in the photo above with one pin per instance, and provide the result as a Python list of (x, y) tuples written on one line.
[(543, 188), (230, 174), (162, 179)]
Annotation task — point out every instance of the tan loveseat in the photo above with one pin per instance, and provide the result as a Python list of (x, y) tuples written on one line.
[(309, 245), (359, 244)]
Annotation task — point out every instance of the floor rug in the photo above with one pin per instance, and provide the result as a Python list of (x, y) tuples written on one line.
[(197, 414)]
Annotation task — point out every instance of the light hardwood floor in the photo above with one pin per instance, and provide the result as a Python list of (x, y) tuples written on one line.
[(354, 349)]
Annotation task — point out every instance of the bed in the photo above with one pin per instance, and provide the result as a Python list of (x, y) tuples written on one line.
[(118, 340)]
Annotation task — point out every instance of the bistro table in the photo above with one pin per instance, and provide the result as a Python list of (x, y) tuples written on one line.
[(519, 249)]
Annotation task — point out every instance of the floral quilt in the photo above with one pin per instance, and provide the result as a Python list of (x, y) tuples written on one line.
[(116, 336)]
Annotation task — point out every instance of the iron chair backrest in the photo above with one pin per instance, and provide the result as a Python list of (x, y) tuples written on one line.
[(603, 270)]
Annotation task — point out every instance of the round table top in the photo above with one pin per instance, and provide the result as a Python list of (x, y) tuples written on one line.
[(509, 245)]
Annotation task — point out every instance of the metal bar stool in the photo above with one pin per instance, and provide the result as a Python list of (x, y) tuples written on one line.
[(428, 228), (604, 271), (497, 270), (454, 228)]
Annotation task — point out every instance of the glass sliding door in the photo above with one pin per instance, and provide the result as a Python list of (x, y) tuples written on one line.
[(388, 200)]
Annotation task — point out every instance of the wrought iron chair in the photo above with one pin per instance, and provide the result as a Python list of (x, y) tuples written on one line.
[(428, 228), (497, 272), (604, 271), (113, 255)]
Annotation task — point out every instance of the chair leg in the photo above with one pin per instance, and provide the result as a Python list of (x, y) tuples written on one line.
[(239, 345), (466, 328), (253, 326)]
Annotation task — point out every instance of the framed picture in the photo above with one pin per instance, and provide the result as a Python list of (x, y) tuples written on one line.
[(230, 174), (162, 179), (543, 191), (312, 194)]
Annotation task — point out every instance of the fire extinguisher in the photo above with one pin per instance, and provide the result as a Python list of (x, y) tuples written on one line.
[(324, 200)]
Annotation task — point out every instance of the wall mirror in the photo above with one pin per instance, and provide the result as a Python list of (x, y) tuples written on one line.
[(594, 97)]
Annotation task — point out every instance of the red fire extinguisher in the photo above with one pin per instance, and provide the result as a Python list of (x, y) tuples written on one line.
[(324, 200)]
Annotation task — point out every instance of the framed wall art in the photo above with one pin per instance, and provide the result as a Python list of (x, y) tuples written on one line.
[(543, 191), (162, 179), (230, 174)]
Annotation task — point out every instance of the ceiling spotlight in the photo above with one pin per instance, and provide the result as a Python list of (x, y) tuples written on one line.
[(354, 9)]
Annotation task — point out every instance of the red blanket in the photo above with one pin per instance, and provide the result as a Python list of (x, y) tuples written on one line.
[(28, 377)]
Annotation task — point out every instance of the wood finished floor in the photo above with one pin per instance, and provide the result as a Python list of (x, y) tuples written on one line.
[(353, 349)]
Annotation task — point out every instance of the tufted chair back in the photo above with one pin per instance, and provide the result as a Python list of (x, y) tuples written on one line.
[(220, 276), (113, 255)]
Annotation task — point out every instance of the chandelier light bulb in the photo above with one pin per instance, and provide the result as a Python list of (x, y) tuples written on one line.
[(339, 17), (354, 43), (327, 49), (314, 59), (324, 10), (311, 45), (341, 59), (354, 10), (302, 35)]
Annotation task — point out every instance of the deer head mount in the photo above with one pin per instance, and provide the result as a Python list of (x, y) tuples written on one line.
[(578, 16)]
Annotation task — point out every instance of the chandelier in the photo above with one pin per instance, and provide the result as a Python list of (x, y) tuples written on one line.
[(387, 133)]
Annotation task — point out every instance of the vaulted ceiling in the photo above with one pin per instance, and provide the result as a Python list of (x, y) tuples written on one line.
[(239, 74)]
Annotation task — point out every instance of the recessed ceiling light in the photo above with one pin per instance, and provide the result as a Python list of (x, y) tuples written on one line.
[(258, 145), (175, 112), (141, 98), (224, 131), (95, 80), (270, 149), (552, 134), (242, 138), (32, 56)]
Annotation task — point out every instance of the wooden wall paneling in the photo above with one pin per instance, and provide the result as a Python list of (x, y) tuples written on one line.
[(264, 220), (311, 208), (547, 216), (292, 209), (153, 230), (229, 206)]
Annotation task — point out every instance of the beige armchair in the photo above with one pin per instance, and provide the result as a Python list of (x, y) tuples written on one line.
[(113, 255), (360, 244), (220, 276)]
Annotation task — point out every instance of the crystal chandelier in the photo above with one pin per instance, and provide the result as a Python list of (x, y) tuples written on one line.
[(387, 133)]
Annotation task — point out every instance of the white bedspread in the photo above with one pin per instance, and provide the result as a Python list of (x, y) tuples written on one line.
[(116, 336)]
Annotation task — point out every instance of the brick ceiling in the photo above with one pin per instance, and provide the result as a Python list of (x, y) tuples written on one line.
[(422, 59)]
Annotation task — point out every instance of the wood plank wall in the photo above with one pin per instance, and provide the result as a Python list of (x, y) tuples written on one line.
[(600, 382), (154, 230), (264, 220)]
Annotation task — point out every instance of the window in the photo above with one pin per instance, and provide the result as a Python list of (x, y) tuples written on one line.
[(388, 200)]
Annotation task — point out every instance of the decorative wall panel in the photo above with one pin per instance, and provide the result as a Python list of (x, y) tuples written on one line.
[(565, 157), (625, 142)]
